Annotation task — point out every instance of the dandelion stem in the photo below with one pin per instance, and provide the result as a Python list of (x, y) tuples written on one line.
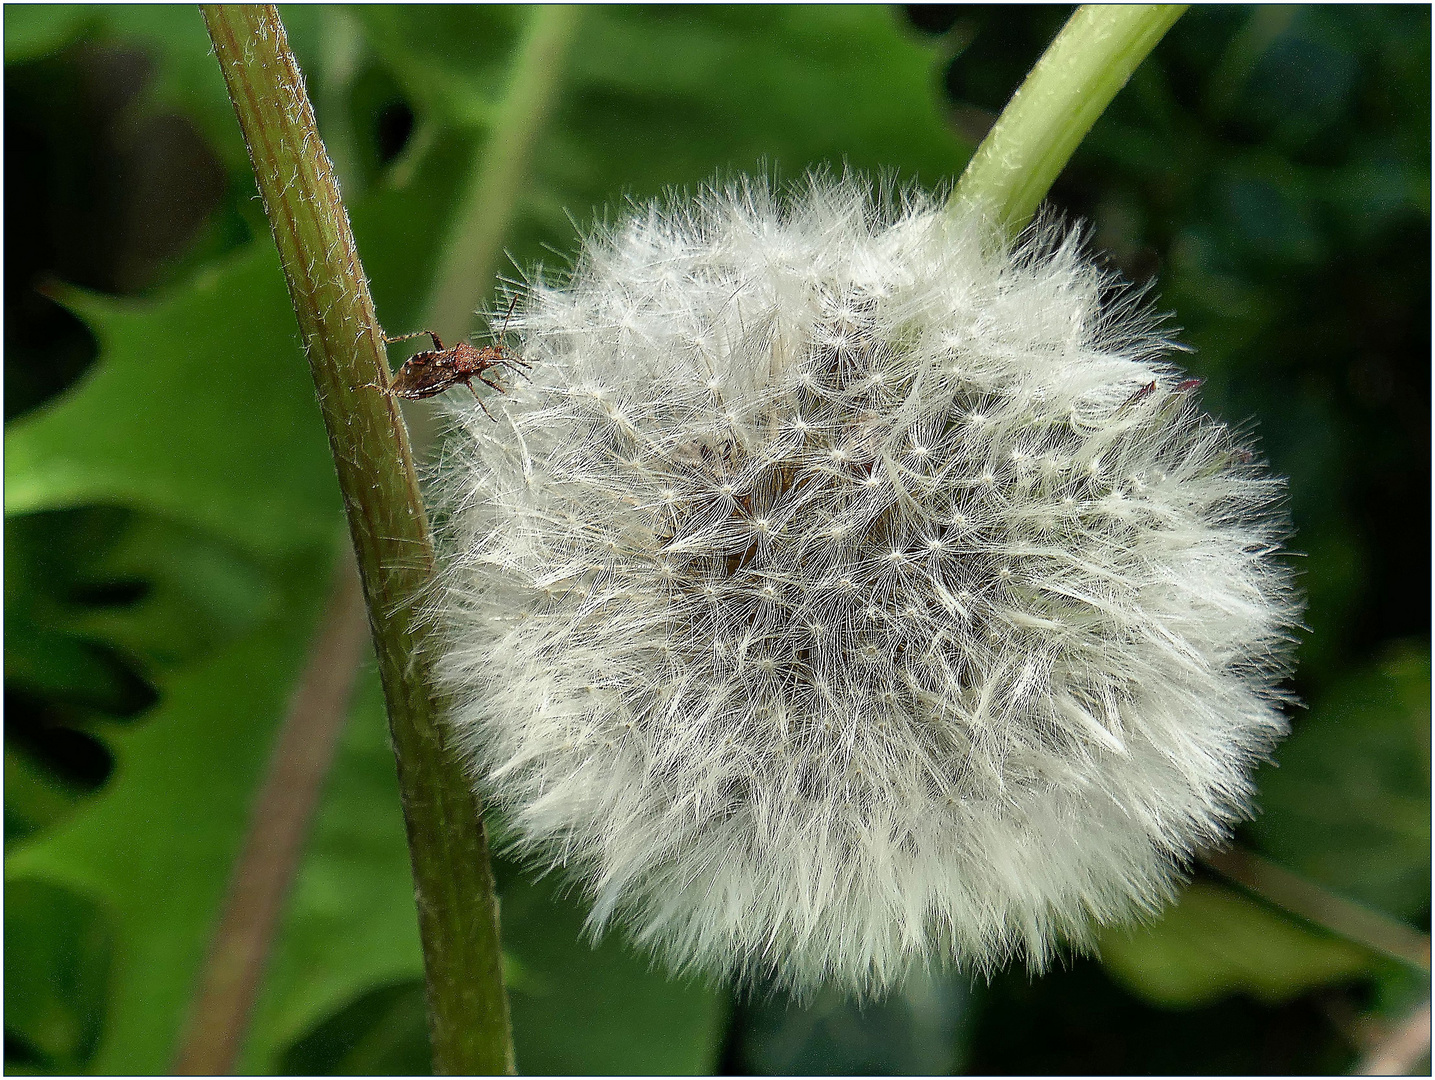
[(1051, 112), (453, 881)]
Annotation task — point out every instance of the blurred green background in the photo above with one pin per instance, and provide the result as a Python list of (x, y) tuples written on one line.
[(172, 519)]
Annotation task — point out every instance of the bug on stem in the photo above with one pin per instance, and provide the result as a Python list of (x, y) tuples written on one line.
[(430, 372)]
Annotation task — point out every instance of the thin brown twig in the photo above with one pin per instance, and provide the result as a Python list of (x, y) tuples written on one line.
[(283, 807), (1400, 1051)]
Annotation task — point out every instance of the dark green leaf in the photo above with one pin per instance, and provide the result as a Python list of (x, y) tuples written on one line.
[(1215, 942), (200, 409), (1348, 801), (35, 30), (383, 1032), (59, 946), (583, 1008), (156, 846)]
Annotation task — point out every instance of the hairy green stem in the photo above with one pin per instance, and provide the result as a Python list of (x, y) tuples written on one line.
[(453, 881), (1071, 85), (487, 205)]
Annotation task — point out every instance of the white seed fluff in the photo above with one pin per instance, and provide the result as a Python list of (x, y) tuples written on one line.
[(848, 590)]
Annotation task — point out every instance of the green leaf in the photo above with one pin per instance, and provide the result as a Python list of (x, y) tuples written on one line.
[(1215, 942), (36, 30), (665, 95), (199, 409), (156, 846), (580, 1008), (449, 59), (1349, 807), (659, 98), (1347, 803), (185, 78), (102, 603), (350, 921), (383, 1032), (577, 1009), (156, 593), (46, 556), (195, 595), (35, 797)]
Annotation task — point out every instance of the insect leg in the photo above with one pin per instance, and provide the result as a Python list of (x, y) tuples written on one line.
[(1149, 388), (468, 383), (511, 360), (514, 364), (437, 344)]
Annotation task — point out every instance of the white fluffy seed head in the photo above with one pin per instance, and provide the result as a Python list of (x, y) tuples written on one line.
[(846, 590)]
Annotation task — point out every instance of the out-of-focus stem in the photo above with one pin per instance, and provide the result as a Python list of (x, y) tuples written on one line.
[(489, 199), (468, 1010), (1051, 112), (487, 205), (279, 822), (1290, 892), (1400, 1051)]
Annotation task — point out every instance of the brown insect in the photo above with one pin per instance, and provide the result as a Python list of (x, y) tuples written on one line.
[(1182, 387), (1149, 388), (430, 372)]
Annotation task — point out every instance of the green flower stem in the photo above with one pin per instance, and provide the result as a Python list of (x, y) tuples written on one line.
[(487, 205), (453, 881), (1051, 112)]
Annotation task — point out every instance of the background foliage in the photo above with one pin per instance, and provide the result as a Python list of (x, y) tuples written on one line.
[(171, 514)]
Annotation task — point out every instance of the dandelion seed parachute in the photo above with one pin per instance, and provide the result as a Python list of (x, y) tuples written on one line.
[(848, 590)]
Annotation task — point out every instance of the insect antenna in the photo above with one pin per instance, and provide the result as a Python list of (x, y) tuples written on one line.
[(511, 305), (510, 359)]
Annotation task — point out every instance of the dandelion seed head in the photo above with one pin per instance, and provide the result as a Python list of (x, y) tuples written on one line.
[(802, 606)]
